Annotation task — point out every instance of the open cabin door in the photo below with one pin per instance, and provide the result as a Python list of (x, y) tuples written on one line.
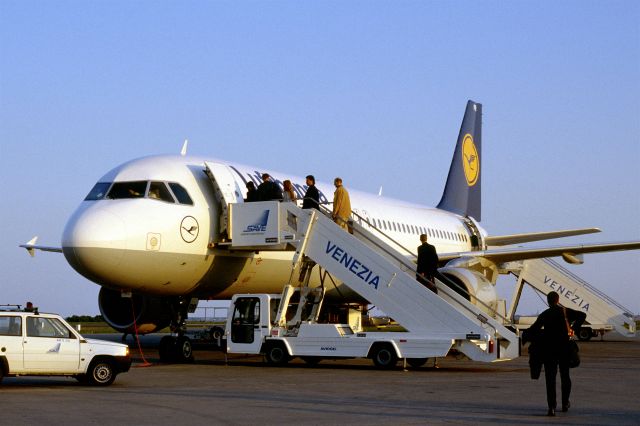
[(227, 191)]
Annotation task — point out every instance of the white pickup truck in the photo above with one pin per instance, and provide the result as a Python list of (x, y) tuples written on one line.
[(35, 344)]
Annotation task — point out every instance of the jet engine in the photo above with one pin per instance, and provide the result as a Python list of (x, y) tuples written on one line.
[(125, 314), (473, 286)]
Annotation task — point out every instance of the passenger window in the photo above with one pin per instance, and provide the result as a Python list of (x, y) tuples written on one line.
[(127, 190), (181, 194), (159, 191), (47, 327), (98, 191), (10, 326)]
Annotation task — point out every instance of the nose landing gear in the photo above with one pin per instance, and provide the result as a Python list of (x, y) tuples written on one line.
[(177, 348)]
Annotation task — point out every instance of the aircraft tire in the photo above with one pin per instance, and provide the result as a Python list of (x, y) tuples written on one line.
[(183, 350), (165, 350)]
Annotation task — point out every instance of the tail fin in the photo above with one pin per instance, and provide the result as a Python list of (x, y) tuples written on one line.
[(462, 192)]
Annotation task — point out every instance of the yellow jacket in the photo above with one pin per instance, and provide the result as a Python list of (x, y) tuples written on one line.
[(341, 203)]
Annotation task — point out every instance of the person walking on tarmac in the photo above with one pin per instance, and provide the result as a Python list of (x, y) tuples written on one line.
[(341, 205), (427, 266), (312, 196), (554, 325)]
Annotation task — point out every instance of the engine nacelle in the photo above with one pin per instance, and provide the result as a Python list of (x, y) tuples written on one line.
[(151, 313), (473, 286)]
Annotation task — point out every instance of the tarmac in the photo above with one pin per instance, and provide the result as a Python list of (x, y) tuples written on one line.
[(244, 390)]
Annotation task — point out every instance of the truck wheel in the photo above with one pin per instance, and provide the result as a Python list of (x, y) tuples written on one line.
[(183, 350), (166, 349), (1, 373), (276, 354), (585, 334), (216, 333), (417, 362), (384, 357), (101, 373)]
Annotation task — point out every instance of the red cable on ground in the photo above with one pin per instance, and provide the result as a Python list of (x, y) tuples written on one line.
[(135, 327)]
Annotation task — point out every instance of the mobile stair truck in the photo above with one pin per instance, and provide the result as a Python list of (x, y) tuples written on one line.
[(544, 275), (286, 325)]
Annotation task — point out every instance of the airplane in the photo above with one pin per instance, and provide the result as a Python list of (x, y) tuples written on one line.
[(152, 233)]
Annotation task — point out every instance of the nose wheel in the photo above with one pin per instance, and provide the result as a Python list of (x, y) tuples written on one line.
[(176, 349)]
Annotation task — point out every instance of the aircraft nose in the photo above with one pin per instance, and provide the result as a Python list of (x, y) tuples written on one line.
[(93, 242)]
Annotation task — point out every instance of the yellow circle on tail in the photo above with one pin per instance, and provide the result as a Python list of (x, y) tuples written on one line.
[(470, 160)]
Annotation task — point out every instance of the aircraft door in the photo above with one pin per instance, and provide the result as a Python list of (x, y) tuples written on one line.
[(475, 237), (246, 334), (227, 191)]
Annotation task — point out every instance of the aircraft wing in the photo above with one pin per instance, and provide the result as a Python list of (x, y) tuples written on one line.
[(569, 253), (503, 240), (32, 247)]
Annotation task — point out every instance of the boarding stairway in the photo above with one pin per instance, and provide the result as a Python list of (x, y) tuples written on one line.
[(375, 271), (545, 275)]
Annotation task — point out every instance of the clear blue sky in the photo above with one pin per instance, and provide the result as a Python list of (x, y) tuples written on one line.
[(372, 91)]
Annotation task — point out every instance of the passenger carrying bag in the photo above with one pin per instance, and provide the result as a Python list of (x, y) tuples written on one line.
[(574, 355), (572, 346)]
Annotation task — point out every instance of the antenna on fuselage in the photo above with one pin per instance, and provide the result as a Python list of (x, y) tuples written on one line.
[(183, 152)]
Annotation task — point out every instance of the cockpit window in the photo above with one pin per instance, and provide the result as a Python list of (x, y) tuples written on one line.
[(98, 191), (159, 191), (181, 194), (135, 189)]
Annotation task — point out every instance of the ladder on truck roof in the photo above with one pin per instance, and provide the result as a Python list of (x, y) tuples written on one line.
[(545, 275), (377, 272)]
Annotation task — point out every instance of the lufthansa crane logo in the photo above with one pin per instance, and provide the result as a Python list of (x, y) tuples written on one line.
[(189, 229), (470, 160)]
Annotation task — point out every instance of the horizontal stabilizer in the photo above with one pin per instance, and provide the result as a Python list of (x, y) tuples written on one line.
[(31, 247), (503, 240)]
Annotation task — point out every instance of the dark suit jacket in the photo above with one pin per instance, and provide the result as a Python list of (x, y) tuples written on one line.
[(268, 191), (552, 327), (427, 260), (311, 198)]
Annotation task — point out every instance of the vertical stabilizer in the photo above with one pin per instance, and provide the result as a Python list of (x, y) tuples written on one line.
[(462, 191)]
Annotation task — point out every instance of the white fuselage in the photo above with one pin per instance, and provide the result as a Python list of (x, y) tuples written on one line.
[(150, 246)]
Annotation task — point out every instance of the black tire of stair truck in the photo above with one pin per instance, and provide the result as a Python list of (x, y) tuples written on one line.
[(384, 355), (276, 354)]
